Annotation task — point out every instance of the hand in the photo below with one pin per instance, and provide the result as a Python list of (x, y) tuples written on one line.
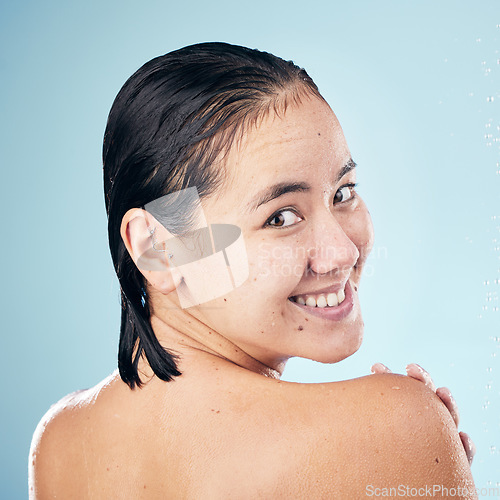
[(417, 372)]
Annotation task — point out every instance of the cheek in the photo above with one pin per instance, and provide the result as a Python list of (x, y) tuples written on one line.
[(275, 267)]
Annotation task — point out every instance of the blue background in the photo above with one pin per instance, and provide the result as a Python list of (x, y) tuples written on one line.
[(416, 87)]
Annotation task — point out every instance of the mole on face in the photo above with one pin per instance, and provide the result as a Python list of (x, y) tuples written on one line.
[(300, 328)]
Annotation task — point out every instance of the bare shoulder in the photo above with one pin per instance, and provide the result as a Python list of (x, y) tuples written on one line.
[(385, 429), (345, 439), (53, 462)]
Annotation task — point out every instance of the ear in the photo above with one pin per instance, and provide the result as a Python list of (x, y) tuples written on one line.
[(147, 250)]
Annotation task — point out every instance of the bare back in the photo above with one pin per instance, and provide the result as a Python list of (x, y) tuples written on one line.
[(220, 431)]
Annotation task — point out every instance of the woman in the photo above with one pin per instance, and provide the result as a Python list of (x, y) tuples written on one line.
[(205, 148)]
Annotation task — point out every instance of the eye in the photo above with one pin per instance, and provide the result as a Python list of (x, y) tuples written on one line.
[(283, 218), (345, 193)]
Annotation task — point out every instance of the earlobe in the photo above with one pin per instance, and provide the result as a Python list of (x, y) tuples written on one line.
[(170, 282)]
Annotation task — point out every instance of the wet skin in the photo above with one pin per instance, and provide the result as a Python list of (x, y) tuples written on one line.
[(228, 427), (297, 243)]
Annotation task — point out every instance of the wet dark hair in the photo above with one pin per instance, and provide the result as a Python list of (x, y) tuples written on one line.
[(170, 122)]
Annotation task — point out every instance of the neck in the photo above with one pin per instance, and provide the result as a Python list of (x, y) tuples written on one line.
[(179, 330)]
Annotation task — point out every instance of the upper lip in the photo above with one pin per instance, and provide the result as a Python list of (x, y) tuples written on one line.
[(336, 287)]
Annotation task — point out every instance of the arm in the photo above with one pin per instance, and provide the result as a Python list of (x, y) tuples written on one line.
[(43, 456), (404, 437), (50, 457), (418, 373)]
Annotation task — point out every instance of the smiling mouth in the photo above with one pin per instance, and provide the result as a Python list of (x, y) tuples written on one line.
[(331, 306), (332, 299)]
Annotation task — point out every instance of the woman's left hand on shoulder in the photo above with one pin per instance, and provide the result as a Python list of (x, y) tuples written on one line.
[(417, 372)]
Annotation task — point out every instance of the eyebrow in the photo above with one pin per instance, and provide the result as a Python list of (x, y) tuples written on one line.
[(281, 188)]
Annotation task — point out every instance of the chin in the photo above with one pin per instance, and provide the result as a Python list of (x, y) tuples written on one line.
[(339, 351)]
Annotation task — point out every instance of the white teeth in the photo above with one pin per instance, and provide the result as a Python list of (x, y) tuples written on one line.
[(332, 299), (311, 302), (321, 301)]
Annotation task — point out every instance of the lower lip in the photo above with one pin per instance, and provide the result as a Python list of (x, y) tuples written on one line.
[(335, 313)]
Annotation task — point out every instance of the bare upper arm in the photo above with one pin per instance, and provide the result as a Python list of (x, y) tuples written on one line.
[(51, 458), (398, 434)]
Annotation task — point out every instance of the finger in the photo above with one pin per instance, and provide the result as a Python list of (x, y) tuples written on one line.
[(469, 446), (416, 371), (380, 368), (445, 395)]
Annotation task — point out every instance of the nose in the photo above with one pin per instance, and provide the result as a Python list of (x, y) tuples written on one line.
[(331, 250)]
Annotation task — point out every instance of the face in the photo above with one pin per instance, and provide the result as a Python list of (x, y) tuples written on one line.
[(307, 234)]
